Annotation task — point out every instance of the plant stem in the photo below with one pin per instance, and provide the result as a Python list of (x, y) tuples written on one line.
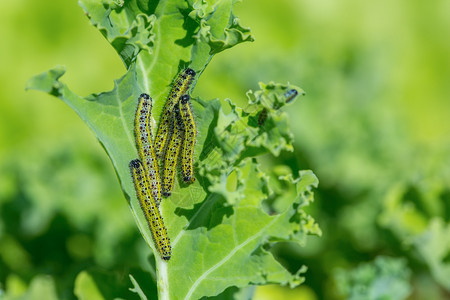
[(163, 279)]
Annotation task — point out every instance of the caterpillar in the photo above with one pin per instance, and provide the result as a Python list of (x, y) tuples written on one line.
[(151, 211), (190, 134), (179, 88), (290, 95), (142, 132), (173, 149), (262, 117)]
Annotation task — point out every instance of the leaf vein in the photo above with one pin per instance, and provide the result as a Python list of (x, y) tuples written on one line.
[(225, 259), (122, 118)]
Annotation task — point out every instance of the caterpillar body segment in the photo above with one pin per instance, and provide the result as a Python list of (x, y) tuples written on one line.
[(190, 135)]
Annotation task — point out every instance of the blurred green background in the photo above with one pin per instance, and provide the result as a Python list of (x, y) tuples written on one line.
[(374, 127)]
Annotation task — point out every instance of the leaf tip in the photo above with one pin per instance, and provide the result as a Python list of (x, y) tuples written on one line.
[(46, 81)]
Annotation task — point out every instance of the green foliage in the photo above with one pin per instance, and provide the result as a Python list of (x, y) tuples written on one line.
[(416, 214), (385, 278), (223, 226), (41, 287), (374, 128)]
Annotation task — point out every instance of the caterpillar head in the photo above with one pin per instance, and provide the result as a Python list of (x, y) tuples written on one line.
[(184, 99)]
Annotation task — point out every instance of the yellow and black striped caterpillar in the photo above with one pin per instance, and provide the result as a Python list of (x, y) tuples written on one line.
[(143, 133), (151, 211), (190, 134), (179, 88), (172, 151)]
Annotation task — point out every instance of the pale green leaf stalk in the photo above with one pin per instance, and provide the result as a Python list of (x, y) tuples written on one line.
[(222, 226)]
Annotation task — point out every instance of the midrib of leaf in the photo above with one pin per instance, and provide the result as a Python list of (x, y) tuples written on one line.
[(163, 282), (158, 35), (146, 71), (160, 14), (226, 258), (163, 278), (145, 79)]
